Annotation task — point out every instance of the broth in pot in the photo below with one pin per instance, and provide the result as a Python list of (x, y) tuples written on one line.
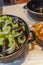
[(39, 10)]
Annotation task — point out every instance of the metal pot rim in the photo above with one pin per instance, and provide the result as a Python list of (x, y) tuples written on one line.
[(32, 11)]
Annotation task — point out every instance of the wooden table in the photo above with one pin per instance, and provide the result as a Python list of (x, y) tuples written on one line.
[(21, 1), (30, 57)]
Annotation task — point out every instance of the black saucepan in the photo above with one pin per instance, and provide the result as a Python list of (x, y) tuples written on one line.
[(20, 50), (35, 7)]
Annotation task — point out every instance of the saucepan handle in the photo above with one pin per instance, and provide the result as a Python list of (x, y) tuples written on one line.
[(25, 7), (33, 37)]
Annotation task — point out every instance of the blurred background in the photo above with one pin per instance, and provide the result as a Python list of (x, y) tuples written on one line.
[(8, 2)]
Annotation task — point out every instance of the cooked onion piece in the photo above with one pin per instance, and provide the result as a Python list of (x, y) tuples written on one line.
[(11, 49), (21, 40), (6, 29), (1, 55), (16, 34)]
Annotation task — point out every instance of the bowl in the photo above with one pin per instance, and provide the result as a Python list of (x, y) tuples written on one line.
[(17, 53), (35, 7)]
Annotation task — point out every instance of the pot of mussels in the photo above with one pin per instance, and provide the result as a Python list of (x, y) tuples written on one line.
[(14, 35)]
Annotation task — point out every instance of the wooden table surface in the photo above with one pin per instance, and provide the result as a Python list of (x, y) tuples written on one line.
[(22, 1)]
